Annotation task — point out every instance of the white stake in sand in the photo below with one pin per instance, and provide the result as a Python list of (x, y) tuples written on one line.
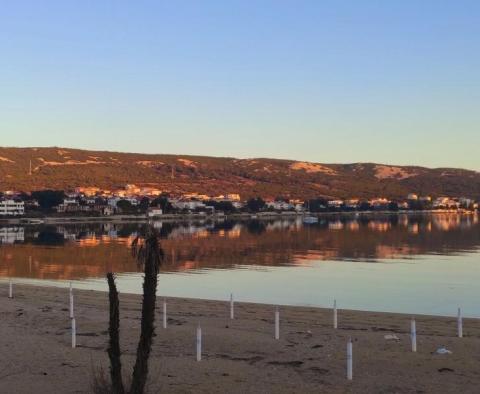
[(335, 317), (277, 323), (231, 307), (459, 323), (74, 334), (164, 313), (349, 359), (10, 289), (199, 343), (413, 334), (71, 302)]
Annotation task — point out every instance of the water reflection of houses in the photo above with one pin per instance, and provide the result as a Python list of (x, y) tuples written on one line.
[(189, 230), (380, 226), (157, 225), (11, 235), (392, 252), (413, 228), (335, 225), (445, 222), (67, 234), (352, 225), (283, 225), (201, 245), (403, 220), (235, 232), (414, 224)]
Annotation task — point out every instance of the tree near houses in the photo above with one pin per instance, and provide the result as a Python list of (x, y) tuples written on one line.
[(393, 206), (317, 205), (255, 204), (125, 206), (223, 206), (47, 199), (144, 204), (163, 203)]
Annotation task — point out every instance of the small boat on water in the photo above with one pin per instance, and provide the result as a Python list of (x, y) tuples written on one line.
[(310, 219)]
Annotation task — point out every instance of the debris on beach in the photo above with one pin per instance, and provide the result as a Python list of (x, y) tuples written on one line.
[(444, 369), (391, 337), (443, 350)]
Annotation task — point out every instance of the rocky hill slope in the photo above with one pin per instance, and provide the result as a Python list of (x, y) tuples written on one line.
[(64, 168)]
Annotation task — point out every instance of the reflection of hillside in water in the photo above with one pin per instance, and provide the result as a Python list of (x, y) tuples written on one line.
[(90, 250)]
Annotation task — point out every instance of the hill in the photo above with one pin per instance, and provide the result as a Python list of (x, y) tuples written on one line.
[(64, 168)]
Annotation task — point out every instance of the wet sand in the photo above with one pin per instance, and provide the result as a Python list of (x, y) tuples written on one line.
[(239, 356)]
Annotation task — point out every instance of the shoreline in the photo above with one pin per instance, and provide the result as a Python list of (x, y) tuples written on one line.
[(118, 219), (64, 284), (239, 355)]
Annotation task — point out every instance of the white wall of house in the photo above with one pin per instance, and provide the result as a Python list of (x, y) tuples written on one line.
[(190, 205), (12, 208), (152, 212), (279, 205)]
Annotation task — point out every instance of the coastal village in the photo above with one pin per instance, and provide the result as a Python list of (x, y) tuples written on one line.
[(240, 197), (152, 202), (291, 340)]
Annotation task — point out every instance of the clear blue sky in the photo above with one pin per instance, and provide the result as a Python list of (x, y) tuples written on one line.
[(327, 81)]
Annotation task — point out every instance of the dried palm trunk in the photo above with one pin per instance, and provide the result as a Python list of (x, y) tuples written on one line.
[(114, 343), (150, 255)]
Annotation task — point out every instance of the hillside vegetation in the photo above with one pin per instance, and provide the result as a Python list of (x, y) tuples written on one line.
[(64, 168)]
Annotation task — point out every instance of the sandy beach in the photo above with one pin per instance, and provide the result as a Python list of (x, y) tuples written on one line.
[(239, 356)]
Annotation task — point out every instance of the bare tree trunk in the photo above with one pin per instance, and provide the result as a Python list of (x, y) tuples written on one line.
[(150, 256), (114, 343)]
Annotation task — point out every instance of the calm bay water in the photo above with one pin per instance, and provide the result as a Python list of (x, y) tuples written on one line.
[(400, 263)]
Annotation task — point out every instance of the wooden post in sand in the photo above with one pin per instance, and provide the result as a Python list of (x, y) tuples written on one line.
[(335, 317), (349, 359), (199, 343), (71, 301), (413, 334), (10, 289), (74, 334), (277, 323), (231, 307), (459, 323), (164, 313)]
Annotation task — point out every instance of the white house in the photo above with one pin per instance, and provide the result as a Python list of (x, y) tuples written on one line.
[(299, 207), (335, 203), (233, 197), (445, 203), (113, 201), (189, 205), (152, 212), (380, 202), (237, 204), (353, 203), (466, 202), (279, 205), (12, 208), (68, 205)]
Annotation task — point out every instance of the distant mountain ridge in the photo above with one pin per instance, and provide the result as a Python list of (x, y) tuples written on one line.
[(65, 168)]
